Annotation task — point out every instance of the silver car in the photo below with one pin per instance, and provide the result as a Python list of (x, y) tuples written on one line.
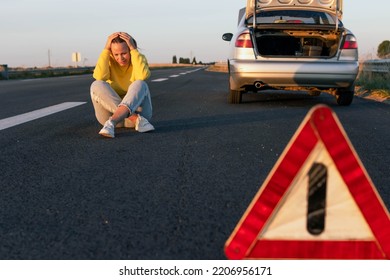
[(292, 45)]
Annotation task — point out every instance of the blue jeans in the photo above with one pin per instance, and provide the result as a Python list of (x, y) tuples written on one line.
[(105, 100)]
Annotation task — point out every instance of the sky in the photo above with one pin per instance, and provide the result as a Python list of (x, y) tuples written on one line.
[(36, 33)]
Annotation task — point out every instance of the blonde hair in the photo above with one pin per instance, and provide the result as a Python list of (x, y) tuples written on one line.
[(119, 40)]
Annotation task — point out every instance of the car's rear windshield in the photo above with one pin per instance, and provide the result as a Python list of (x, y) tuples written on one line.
[(293, 17)]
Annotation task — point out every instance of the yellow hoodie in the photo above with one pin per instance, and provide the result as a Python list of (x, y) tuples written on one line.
[(121, 77)]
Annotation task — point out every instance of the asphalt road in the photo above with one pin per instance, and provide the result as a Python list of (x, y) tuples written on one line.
[(175, 193)]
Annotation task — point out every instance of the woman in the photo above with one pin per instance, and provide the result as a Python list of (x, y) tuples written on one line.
[(120, 95)]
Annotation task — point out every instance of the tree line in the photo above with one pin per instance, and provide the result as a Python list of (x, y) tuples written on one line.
[(183, 60), (384, 49)]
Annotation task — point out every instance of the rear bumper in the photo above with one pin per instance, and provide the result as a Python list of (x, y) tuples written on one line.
[(308, 73)]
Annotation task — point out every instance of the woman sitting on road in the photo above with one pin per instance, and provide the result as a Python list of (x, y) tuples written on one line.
[(120, 95)]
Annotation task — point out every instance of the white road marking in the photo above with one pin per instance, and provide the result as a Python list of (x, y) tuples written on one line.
[(33, 115), (160, 80), (191, 71), (175, 76)]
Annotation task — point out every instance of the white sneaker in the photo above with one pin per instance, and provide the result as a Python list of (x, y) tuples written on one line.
[(143, 125), (108, 129)]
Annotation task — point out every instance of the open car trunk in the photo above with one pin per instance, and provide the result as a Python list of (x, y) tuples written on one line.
[(297, 43), (295, 28)]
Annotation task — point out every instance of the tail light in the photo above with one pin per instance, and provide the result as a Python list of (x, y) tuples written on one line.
[(244, 41), (350, 42)]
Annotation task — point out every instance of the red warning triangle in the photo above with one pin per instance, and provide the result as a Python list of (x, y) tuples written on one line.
[(318, 202)]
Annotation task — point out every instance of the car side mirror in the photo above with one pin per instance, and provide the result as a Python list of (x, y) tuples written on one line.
[(227, 37)]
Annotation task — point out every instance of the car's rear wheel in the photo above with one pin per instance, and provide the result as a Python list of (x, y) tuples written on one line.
[(344, 97), (235, 96)]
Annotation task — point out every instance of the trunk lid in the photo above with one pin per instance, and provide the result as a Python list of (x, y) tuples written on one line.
[(334, 7)]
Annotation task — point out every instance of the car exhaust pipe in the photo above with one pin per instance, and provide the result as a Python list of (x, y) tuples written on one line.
[(259, 85)]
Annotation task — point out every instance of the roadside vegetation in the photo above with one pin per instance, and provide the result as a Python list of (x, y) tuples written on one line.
[(47, 72), (375, 86), (31, 73)]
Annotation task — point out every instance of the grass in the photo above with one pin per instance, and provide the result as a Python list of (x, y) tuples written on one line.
[(31, 73), (375, 86)]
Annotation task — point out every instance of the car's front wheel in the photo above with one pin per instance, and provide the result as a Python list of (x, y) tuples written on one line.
[(344, 97)]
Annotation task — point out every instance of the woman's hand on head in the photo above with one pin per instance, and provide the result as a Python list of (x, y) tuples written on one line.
[(129, 41), (109, 40)]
